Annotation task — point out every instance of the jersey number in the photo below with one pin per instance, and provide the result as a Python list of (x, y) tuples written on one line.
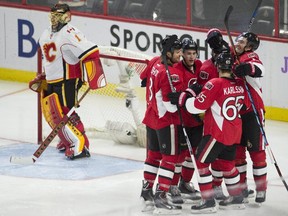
[(231, 107)]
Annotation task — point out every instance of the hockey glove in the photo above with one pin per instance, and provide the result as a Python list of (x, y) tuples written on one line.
[(185, 95), (144, 82), (196, 87), (192, 91), (38, 83), (214, 39), (244, 69), (174, 97)]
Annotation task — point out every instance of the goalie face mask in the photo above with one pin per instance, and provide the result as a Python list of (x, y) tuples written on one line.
[(59, 16)]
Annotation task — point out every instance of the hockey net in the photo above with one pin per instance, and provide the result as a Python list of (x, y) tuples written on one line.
[(115, 111)]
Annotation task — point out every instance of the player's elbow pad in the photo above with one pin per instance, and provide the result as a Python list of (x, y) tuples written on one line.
[(191, 108)]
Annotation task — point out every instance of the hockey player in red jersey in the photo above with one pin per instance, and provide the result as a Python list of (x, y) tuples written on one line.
[(162, 121), (221, 99), (209, 71), (67, 56), (251, 68), (190, 68)]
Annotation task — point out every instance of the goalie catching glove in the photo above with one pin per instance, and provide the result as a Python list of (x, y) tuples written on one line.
[(38, 83), (192, 91)]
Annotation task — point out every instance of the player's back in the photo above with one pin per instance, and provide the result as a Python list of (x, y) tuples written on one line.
[(222, 99)]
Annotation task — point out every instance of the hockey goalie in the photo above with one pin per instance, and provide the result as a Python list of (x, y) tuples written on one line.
[(69, 60)]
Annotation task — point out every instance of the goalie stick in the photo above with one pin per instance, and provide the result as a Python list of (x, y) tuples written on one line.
[(271, 155), (49, 139)]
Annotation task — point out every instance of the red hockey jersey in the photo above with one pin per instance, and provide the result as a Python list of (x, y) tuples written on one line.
[(189, 77), (254, 83), (221, 99), (207, 72), (160, 112)]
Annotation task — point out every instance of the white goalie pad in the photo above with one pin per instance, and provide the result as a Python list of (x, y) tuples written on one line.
[(121, 132)]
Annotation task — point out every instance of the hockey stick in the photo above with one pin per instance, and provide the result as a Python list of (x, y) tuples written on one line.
[(254, 15), (272, 157), (50, 137)]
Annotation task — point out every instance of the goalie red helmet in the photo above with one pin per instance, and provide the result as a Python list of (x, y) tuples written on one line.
[(59, 16), (189, 44), (224, 61), (252, 40), (169, 43)]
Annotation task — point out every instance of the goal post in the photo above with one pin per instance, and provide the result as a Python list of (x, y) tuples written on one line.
[(115, 111)]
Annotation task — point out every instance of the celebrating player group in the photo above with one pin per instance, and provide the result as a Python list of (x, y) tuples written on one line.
[(200, 119)]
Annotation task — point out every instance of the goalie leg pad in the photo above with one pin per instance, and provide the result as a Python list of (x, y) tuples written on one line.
[(69, 134)]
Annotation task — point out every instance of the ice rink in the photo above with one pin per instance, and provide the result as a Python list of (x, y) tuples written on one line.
[(108, 183)]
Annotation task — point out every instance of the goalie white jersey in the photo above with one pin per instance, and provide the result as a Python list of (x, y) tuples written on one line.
[(58, 48)]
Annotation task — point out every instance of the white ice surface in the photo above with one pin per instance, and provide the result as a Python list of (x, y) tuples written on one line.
[(113, 194)]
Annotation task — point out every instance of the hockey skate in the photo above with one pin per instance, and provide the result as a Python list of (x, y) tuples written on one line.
[(219, 195), (162, 205), (147, 197), (232, 202), (61, 146), (204, 207), (188, 192), (260, 197), (247, 193), (70, 154), (174, 195)]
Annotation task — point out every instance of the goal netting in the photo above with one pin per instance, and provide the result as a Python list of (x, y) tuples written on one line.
[(115, 111)]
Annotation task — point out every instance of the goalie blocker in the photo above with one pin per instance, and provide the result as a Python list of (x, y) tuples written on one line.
[(92, 69)]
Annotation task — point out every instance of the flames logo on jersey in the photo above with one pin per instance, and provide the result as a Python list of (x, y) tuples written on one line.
[(48, 48)]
